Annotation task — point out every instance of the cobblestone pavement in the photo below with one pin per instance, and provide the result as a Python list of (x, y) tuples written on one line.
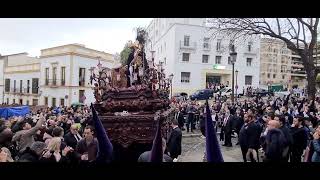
[(193, 147)]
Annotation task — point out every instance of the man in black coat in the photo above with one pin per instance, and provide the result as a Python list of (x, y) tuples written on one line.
[(191, 112), (286, 132), (227, 129), (300, 139), (72, 137), (288, 117), (180, 118), (249, 136), (238, 123), (174, 141)]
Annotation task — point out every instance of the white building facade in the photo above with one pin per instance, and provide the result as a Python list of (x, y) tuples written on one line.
[(1, 80), (60, 77), (21, 79), (195, 58), (65, 74)]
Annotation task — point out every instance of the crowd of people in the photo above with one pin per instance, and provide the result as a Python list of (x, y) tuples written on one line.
[(50, 135), (268, 128), (64, 134)]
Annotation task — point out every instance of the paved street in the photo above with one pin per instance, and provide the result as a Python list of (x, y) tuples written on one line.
[(193, 147)]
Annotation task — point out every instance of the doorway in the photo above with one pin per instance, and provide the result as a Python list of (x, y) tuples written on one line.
[(213, 79)]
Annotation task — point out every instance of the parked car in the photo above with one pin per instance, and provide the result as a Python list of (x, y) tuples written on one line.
[(281, 94), (262, 92), (202, 94), (226, 92), (180, 96)]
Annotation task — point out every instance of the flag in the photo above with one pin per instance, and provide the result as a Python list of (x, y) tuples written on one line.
[(156, 151), (212, 145), (105, 146)]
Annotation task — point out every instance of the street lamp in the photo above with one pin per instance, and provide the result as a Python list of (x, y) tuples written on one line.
[(237, 84), (171, 78), (233, 55)]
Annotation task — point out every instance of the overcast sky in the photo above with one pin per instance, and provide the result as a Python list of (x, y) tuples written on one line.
[(32, 35)]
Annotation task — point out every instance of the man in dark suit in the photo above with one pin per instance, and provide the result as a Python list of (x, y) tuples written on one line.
[(238, 123), (227, 129), (249, 136), (180, 118), (191, 112), (72, 137), (174, 141)]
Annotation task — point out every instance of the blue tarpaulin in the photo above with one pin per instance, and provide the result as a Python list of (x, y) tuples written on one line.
[(7, 112)]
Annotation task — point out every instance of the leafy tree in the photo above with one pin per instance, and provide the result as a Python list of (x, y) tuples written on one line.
[(125, 54)]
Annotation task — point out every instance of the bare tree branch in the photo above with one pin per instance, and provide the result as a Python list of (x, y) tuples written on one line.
[(279, 31), (305, 23), (294, 32)]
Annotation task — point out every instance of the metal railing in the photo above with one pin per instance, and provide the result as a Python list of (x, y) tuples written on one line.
[(55, 82), (82, 83), (24, 91)]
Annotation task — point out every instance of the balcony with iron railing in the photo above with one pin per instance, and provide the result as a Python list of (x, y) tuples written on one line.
[(190, 45), (24, 91), (82, 82), (300, 73), (54, 82)]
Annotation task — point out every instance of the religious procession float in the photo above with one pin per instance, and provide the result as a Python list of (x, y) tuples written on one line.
[(130, 100)]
